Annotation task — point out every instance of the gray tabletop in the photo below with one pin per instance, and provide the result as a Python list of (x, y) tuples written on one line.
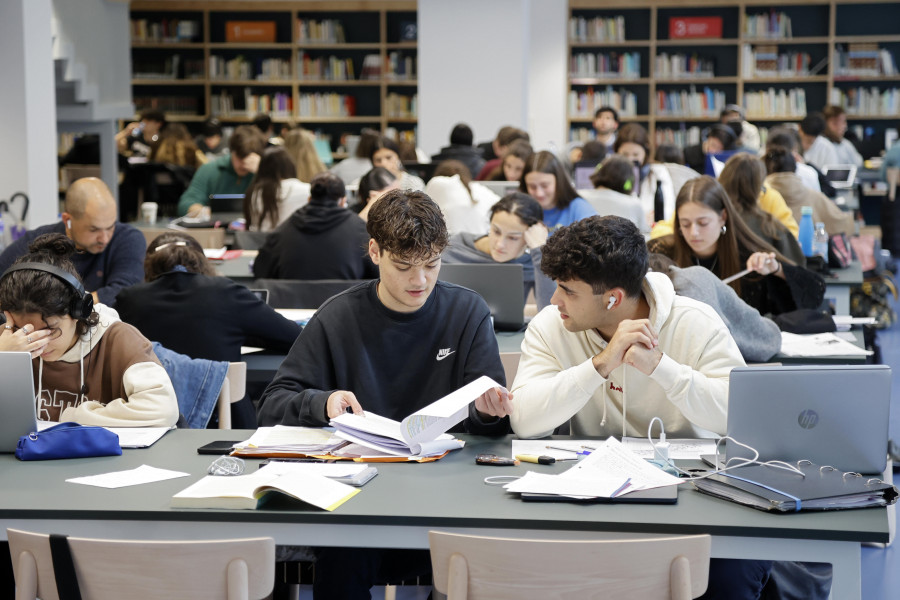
[(447, 493)]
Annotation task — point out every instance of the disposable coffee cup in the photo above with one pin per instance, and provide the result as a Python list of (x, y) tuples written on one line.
[(148, 212)]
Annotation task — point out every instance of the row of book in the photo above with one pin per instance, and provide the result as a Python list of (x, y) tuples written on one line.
[(401, 66), (766, 61), (683, 66), (327, 68), (171, 105), (243, 69), (584, 103), (165, 30), (775, 103), (398, 106), (863, 60), (277, 105), (682, 137), (776, 25), (326, 105), (615, 65), (597, 29), (326, 31), (868, 101), (171, 66), (690, 102)]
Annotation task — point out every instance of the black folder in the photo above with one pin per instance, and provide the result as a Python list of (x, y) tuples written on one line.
[(776, 489)]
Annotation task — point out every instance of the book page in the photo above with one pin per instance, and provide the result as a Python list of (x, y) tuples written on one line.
[(442, 414)]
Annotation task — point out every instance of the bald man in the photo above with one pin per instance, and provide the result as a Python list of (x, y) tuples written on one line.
[(110, 254)]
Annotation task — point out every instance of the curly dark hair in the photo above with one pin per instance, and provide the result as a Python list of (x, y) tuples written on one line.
[(173, 249), (408, 224), (39, 292), (604, 252)]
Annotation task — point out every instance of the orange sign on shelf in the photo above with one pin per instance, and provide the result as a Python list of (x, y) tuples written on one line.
[(695, 27), (250, 31)]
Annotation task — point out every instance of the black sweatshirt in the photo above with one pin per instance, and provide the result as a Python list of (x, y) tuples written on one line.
[(395, 363)]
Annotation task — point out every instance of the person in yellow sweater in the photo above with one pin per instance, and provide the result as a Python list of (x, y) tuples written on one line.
[(770, 201)]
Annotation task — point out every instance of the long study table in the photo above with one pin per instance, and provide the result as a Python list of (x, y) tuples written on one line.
[(398, 507)]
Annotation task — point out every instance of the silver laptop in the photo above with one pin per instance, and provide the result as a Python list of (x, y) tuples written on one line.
[(840, 177), (833, 415), (501, 285), (501, 188), (16, 398)]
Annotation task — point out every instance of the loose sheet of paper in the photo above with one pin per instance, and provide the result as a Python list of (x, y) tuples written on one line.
[(818, 344), (614, 459), (139, 437), (426, 424), (117, 479)]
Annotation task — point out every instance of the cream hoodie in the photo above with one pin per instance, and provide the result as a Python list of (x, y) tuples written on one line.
[(110, 377), (557, 382)]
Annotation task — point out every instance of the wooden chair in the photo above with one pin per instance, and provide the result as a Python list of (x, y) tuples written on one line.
[(475, 568), (138, 570), (233, 389)]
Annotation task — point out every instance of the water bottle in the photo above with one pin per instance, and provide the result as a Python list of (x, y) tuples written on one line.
[(820, 242), (806, 231)]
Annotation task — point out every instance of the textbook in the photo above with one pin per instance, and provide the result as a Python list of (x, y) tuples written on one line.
[(419, 434), (780, 490), (251, 491)]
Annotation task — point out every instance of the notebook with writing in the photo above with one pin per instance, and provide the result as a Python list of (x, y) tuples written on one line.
[(17, 399), (833, 415)]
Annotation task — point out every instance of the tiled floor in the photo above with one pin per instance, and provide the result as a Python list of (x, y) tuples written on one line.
[(881, 566)]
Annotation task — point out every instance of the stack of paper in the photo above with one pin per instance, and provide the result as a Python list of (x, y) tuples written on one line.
[(607, 472), (819, 344), (419, 434), (282, 440)]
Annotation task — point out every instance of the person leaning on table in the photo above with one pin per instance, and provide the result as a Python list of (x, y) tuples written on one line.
[(618, 348), (390, 346)]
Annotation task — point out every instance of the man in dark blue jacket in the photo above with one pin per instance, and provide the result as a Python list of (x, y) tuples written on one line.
[(390, 346), (110, 254)]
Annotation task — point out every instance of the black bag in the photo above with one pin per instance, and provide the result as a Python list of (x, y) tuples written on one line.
[(806, 320)]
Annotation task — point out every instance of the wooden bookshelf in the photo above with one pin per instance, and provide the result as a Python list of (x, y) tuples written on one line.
[(820, 29), (373, 32)]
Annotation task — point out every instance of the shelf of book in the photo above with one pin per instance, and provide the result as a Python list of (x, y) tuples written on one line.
[(794, 54), (297, 49)]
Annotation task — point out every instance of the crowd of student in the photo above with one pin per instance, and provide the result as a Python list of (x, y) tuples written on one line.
[(615, 321)]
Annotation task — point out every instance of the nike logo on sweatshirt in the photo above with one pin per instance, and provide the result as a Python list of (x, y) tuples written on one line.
[(444, 353)]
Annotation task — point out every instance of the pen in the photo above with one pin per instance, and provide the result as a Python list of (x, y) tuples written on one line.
[(578, 452), (533, 458)]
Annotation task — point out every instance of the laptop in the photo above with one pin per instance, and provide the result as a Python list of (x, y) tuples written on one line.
[(833, 415), (502, 188), (226, 207), (17, 399), (501, 285), (841, 177)]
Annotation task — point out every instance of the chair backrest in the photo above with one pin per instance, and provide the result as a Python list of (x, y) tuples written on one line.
[(138, 570), (475, 567), (302, 293), (233, 389)]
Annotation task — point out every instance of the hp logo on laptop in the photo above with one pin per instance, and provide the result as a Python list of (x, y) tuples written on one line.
[(808, 419)]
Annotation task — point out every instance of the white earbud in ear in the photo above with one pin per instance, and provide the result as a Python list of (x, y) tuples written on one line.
[(69, 224), (612, 302)]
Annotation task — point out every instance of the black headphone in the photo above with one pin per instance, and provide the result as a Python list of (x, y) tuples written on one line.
[(82, 304)]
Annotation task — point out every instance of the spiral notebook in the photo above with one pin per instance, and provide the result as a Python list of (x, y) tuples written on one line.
[(780, 490)]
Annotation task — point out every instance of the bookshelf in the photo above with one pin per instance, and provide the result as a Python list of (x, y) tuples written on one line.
[(776, 62), (334, 67)]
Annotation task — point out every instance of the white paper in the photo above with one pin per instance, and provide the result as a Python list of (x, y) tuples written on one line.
[(290, 439), (845, 322), (298, 315), (215, 253), (117, 479), (679, 449), (424, 425), (613, 459), (818, 344), (574, 487), (139, 437), (558, 449)]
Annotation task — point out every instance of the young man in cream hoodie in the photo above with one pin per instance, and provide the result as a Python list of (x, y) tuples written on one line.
[(618, 347)]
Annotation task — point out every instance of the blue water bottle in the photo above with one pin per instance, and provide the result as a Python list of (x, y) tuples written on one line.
[(807, 231)]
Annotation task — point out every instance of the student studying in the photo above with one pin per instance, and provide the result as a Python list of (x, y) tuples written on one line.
[(390, 346)]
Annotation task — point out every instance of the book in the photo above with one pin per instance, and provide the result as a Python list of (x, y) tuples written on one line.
[(253, 490), (285, 440), (419, 434), (781, 490)]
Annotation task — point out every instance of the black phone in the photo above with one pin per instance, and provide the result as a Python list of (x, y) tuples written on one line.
[(218, 447)]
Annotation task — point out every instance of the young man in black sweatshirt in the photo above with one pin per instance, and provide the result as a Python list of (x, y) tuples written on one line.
[(390, 346)]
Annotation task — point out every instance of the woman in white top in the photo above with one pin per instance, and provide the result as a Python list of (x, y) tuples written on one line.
[(386, 153), (633, 142), (465, 203), (275, 192)]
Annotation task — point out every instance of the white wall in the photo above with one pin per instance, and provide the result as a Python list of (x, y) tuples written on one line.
[(28, 107), (490, 64)]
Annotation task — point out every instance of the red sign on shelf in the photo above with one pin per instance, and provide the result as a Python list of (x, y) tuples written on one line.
[(695, 27)]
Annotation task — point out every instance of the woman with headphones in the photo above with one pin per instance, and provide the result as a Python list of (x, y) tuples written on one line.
[(89, 367)]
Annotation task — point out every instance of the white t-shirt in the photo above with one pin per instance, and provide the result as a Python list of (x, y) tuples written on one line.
[(293, 195)]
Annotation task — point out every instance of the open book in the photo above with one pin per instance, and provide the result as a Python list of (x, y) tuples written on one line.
[(249, 491), (419, 434)]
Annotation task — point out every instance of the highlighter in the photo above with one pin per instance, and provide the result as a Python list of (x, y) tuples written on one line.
[(533, 458)]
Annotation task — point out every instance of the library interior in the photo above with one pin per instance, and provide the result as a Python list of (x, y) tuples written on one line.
[(235, 227)]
